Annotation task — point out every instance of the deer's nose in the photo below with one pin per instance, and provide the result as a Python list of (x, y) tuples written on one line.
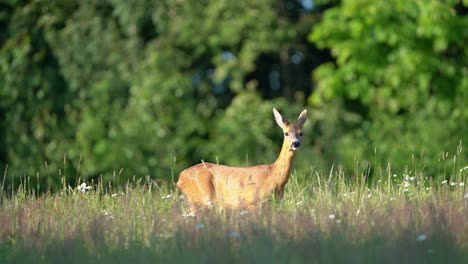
[(296, 144)]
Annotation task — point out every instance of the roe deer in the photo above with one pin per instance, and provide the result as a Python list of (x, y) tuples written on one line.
[(207, 184)]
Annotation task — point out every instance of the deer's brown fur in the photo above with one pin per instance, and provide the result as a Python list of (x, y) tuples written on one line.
[(208, 184)]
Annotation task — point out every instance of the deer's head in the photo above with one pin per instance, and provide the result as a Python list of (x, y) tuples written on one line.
[(292, 131)]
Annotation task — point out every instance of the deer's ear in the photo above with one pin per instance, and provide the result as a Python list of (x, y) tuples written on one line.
[(280, 119), (302, 118)]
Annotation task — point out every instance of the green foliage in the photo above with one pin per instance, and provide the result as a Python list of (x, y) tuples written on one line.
[(89, 88), (100, 89), (402, 65)]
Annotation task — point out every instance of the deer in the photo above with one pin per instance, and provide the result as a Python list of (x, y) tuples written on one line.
[(207, 184)]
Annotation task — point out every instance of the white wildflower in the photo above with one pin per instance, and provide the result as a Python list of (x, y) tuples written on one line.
[(421, 237), (188, 215), (466, 196), (166, 197), (114, 195), (358, 212), (300, 203), (165, 235), (394, 175), (411, 178), (453, 184), (84, 188), (108, 214), (332, 216), (338, 221), (405, 190), (461, 184), (244, 212), (407, 184), (444, 182)]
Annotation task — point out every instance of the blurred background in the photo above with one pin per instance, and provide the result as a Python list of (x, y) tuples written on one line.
[(121, 89)]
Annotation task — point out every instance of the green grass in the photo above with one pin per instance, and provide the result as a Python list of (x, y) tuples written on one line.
[(325, 218)]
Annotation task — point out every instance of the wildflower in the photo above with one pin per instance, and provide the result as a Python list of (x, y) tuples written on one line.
[(338, 221), (444, 182), (300, 203), (411, 178), (421, 237), (200, 226), (84, 188), (244, 212), (407, 184), (114, 195), (466, 196), (189, 214), (461, 184), (234, 234), (464, 168), (453, 184), (166, 197), (332, 216), (394, 175), (405, 190), (108, 214)]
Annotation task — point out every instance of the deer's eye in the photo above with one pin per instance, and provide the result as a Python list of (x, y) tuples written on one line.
[(286, 134), (301, 134)]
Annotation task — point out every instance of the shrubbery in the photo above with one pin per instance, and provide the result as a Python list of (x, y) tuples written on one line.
[(98, 88)]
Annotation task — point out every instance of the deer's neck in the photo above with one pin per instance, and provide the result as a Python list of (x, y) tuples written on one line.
[(282, 167)]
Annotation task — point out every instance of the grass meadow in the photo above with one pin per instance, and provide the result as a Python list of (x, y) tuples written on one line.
[(399, 217)]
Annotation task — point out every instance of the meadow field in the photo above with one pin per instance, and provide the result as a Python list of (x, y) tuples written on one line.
[(323, 218), (130, 93)]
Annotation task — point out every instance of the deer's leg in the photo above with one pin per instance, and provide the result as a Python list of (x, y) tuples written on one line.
[(198, 188), (206, 195)]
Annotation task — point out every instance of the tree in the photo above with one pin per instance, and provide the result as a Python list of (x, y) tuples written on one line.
[(89, 88), (402, 66)]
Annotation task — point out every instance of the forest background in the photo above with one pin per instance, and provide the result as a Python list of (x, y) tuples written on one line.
[(99, 89)]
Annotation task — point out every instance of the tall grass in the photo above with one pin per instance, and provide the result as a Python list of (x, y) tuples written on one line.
[(323, 218)]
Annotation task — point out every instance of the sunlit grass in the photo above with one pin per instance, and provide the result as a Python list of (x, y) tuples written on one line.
[(323, 218)]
